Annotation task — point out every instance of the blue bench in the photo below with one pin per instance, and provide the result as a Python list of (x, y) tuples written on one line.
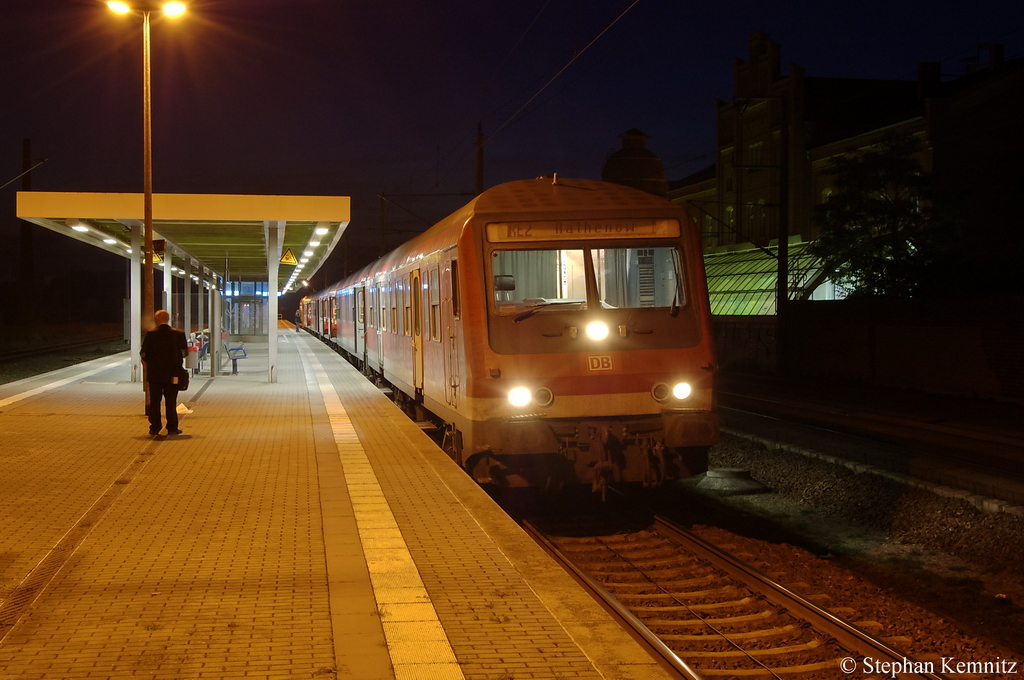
[(235, 353)]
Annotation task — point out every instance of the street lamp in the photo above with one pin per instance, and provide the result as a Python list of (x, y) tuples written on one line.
[(143, 7)]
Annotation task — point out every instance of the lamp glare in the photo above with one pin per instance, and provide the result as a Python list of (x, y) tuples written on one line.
[(119, 7), (174, 9)]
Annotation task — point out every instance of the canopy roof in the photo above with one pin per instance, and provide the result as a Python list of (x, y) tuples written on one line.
[(225, 233), (742, 279)]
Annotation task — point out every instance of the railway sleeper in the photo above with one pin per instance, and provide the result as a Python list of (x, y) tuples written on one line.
[(742, 602), (682, 595), (744, 653), (788, 629), (829, 665), (719, 621)]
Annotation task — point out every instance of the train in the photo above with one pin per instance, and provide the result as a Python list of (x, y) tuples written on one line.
[(555, 331)]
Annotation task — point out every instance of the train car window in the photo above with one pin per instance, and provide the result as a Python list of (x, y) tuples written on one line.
[(638, 277), (360, 307), (625, 278), (435, 305), (394, 307), (392, 315), (417, 294), (456, 301), (383, 300), (373, 307), (405, 306), (530, 278)]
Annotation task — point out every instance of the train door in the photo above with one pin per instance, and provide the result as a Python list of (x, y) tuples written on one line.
[(381, 314), (450, 313), (333, 319), (417, 329)]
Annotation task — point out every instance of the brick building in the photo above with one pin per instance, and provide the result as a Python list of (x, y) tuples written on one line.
[(777, 134)]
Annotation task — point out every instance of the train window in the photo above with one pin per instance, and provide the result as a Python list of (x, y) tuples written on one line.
[(435, 305), (383, 301), (394, 308), (627, 278), (405, 306), (373, 307), (456, 302), (529, 278), (417, 294), (360, 307), (638, 277)]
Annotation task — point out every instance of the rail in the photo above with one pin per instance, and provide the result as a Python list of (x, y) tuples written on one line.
[(846, 634), (49, 349), (843, 634), (647, 639)]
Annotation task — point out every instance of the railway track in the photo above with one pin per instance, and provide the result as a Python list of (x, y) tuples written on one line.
[(706, 614), (14, 355)]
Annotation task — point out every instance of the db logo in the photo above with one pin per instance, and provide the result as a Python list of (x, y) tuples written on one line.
[(599, 362)]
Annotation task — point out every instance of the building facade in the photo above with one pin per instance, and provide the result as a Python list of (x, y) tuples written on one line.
[(776, 136)]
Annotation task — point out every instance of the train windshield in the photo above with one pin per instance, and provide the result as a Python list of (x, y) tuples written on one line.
[(618, 278)]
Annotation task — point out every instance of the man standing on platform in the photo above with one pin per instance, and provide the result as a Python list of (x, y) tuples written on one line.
[(163, 350)]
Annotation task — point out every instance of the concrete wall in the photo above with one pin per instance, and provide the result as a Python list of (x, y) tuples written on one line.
[(961, 347)]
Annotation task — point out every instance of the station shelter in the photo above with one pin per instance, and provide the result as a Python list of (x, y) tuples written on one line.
[(240, 252)]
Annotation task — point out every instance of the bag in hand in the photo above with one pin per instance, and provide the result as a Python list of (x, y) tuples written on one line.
[(183, 376)]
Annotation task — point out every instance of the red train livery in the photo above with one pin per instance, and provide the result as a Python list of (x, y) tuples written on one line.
[(558, 330)]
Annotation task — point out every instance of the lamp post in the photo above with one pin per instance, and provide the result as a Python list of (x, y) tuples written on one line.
[(144, 8)]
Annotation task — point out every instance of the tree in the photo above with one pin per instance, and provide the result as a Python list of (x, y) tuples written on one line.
[(881, 234)]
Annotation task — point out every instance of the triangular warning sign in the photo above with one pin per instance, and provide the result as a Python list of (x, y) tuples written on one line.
[(156, 258), (288, 257)]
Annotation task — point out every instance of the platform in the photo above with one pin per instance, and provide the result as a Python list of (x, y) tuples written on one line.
[(303, 529)]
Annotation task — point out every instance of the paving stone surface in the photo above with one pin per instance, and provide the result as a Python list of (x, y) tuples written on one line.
[(250, 545)]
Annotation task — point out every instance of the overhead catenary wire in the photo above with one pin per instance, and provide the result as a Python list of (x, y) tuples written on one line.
[(576, 55)]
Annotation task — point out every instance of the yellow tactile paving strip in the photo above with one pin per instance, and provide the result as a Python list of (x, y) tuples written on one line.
[(508, 611), (416, 641)]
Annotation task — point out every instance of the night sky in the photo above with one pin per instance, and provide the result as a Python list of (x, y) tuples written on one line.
[(358, 98)]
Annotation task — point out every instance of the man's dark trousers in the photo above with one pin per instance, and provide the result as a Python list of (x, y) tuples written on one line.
[(168, 393)]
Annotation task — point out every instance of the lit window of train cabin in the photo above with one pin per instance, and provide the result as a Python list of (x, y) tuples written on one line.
[(626, 278), (405, 306), (435, 305), (456, 301), (392, 294)]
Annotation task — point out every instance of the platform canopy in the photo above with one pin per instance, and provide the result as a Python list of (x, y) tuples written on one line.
[(226, 233)]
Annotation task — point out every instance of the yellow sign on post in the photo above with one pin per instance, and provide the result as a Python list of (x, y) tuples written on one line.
[(288, 257)]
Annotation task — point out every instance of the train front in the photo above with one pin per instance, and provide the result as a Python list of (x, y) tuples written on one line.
[(599, 365)]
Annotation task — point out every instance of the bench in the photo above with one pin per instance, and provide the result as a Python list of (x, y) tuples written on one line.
[(235, 353)]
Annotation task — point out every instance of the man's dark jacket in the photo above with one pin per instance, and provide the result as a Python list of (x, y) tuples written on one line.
[(163, 349)]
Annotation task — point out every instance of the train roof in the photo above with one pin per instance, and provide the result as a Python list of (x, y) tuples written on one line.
[(523, 198), (556, 194)]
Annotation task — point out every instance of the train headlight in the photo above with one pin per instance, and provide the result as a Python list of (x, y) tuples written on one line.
[(519, 396), (543, 396), (681, 390), (660, 392), (597, 330)]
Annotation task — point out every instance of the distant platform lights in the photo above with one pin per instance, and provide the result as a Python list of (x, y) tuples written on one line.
[(321, 230)]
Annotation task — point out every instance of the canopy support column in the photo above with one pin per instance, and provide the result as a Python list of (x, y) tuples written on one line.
[(215, 339), (186, 306), (273, 232), (168, 285)]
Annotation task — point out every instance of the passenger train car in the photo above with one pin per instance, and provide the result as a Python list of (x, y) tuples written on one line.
[(558, 330)]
